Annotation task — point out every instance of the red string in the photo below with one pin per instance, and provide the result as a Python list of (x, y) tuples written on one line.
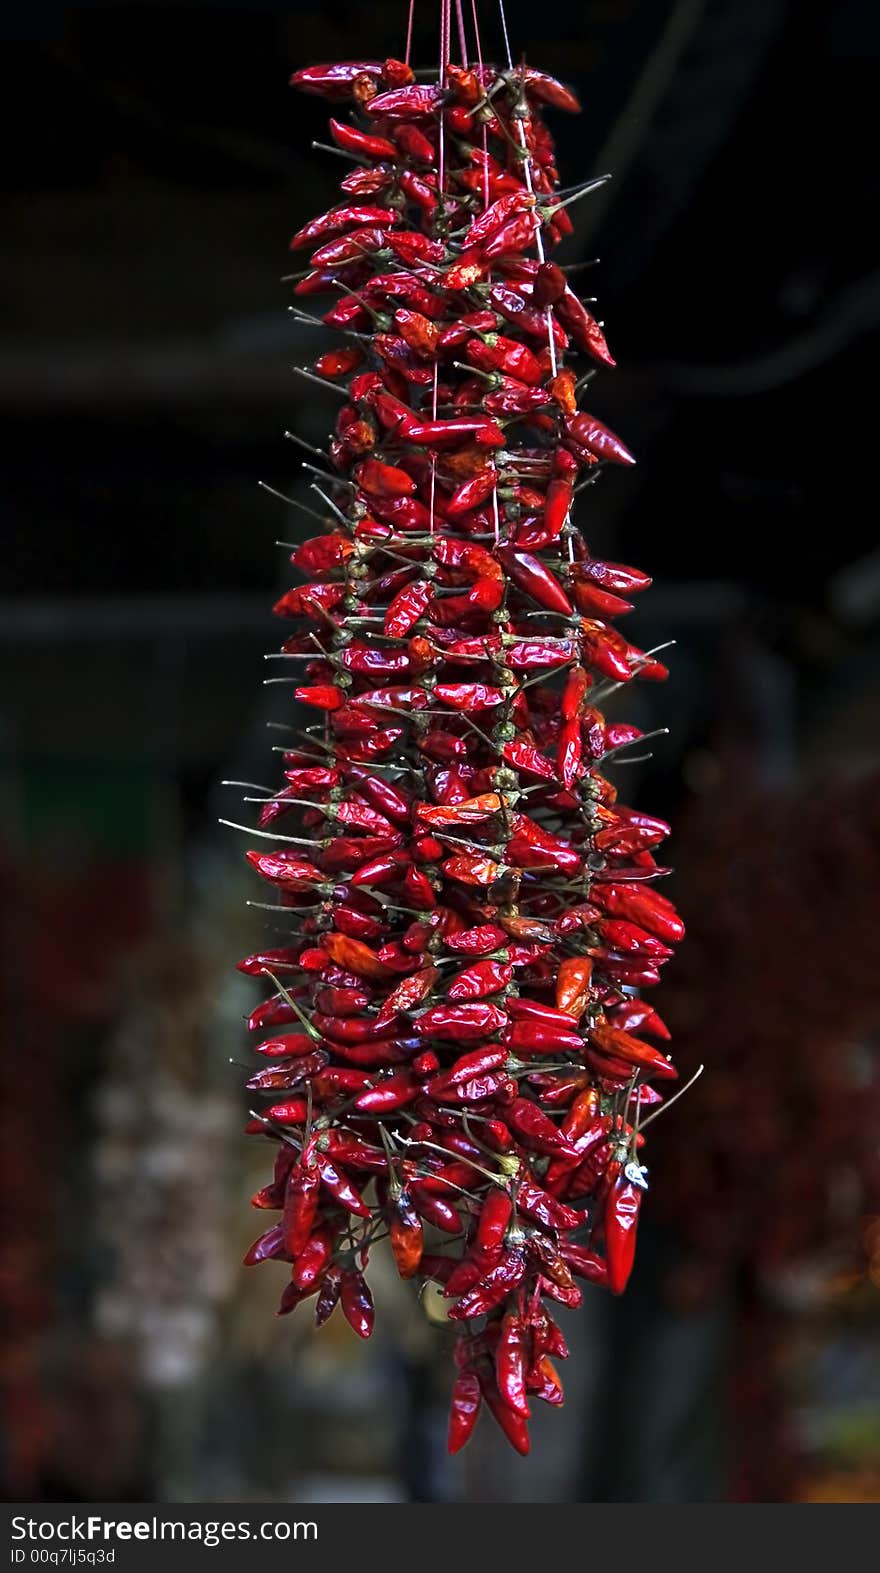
[(479, 48), (462, 41)]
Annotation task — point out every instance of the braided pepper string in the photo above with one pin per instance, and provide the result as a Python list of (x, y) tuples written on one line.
[(458, 1055)]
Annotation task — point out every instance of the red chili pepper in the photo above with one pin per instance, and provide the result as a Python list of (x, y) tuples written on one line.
[(384, 479), (512, 305), (395, 1092), (540, 1207), (623, 1047), (464, 1410), (514, 1426), (496, 216), (414, 143), (343, 218), (621, 1220), (469, 696), (357, 1303), (322, 696), (354, 141), (468, 1021), (478, 941), (406, 1236), (300, 1208), (338, 363), (470, 494), (355, 247), (514, 237), (313, 1260), (466, 1068), (408, 993), (597, 439), (530, 576), (355, 956), (511, 1361), (553, 1267), (515, 398), (328, 1295), (269, 1246), (638, 1014), (535, 1129), (549, 284), (451, 433), (434, 1209), (484, 977), (583, 328), (344, 1148), (367, 183), (646, 907), (573, 985), (406, 103), (494, 1287), (533, 847), (276, 1077), (585, 1263), (505, 355), (629, 939), (334, 81), (420, 190), (289, 1045)]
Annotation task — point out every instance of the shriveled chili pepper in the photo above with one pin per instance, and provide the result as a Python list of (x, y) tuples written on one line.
[(361, 142), (466, 1068), (589, 433), (434, 1209), (334, 81), (314, 1258), (405, 103), (505, 355), (411, 991), (623, 1046), (328, 1295), (573, 985), (512, 305), (511, 1362), (621, 1221), (513, 1425), (357, 1303), (338, 363), (472, 1020), (484, 977), (493, 1287), (530, 575), (478, 941), (395, 1092), (406, 1236), (464, 1410), (300, 1208), (582, 327), (535, 1128)]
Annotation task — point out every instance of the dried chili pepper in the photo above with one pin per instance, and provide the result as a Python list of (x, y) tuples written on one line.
[(464, 1410)]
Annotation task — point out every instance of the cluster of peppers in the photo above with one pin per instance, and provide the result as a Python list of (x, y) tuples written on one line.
[(459, 1057)]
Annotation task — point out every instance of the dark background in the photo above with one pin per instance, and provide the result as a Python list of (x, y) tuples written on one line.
[(156, 165)]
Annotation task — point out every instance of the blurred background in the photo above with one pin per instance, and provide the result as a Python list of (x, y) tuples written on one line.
[(156, 165)]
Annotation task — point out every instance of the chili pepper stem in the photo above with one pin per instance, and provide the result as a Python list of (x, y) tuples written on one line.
[(323, 382), (674, 1099)]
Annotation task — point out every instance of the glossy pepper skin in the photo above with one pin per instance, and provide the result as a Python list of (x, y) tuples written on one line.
[(464, 910)]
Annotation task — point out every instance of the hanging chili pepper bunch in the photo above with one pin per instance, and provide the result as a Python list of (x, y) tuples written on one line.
[(458, 1057)]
